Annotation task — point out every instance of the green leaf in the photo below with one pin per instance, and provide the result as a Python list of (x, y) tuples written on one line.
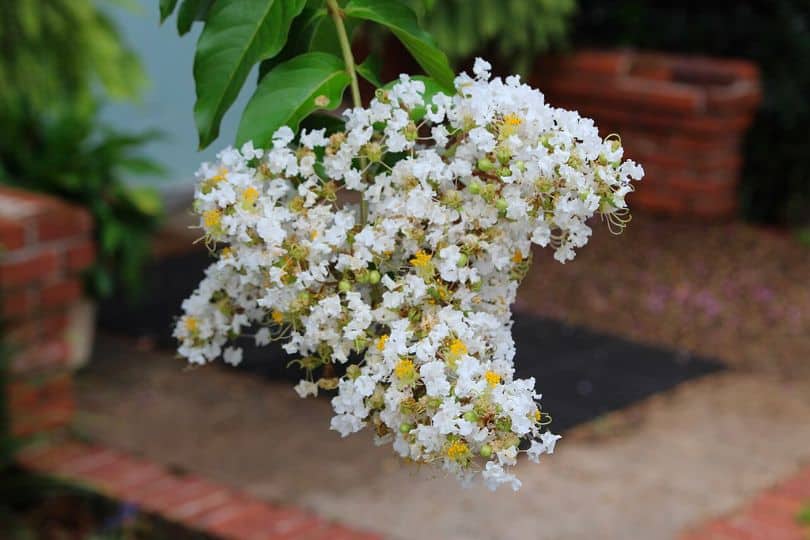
[(370, 70), (166, 9), (302, 32), (236, 36), (290, 92), (312, 31), (401, 20), (190, 11)]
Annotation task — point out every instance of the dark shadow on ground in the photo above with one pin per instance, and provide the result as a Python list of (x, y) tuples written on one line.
[(582, 374)]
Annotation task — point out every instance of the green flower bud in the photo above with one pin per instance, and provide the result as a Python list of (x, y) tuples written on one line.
[(501, 204), (374, 277), (353, 371), (462, 260), (304, 297), (470, 416), (405, 428), (344, 285), (474, 187), (504, 171), (485, 451), (485, 165), (503, 155)]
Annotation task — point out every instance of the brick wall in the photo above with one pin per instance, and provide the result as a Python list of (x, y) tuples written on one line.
[(45, 246), (683, 118)]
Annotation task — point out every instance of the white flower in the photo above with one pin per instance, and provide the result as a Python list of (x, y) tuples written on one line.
[(232, 356), (414, 295), (306, 388)]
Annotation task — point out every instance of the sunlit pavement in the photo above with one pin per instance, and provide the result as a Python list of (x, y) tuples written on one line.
[(645, 472)]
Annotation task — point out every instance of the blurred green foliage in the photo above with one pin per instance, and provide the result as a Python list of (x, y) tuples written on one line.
[(511, 32), (59, 61), (775, 35)]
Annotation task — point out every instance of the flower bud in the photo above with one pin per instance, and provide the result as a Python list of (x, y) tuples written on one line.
[(485, 451), (353, 371), (470, 416), (405, 428), (485, 165), (503, 155), (474, 187), (374, 277), (501, 204), (344, 286), (462, 260)]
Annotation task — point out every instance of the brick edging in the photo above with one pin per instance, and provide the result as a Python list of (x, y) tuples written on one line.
[(772, 515), (188, 499)]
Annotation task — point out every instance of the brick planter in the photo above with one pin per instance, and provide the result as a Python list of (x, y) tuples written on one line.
[(682, 117), (45, 246)]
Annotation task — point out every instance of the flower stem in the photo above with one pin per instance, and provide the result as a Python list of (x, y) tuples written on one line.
[(348, 60)]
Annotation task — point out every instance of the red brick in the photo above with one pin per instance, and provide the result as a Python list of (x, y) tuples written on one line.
[(656, 199), (26, 394), (46, 459), (18, 303), (53, 416), (27, 270), (59, 294), (262, 521), (797, 487), (50, 353), (178, 493), (63, 222), (12, 235), (81, 256), (123, 476), (92, 458), (588, 63), (714, 207), (702, 186)]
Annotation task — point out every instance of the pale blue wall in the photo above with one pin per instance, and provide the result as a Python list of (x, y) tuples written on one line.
[(169, 99)]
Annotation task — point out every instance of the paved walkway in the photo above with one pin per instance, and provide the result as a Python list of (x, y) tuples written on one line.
[(647, 472)]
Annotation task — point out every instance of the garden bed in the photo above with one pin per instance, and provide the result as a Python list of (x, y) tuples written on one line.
[(38, 507)]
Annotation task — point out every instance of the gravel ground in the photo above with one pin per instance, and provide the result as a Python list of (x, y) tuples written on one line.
[(733, 292)]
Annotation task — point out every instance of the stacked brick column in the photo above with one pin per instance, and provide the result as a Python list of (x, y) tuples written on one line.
[(45, 246), (683, 118)]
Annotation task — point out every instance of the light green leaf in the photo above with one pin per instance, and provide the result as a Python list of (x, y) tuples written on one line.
[(370, 70), (236, 36), (166, 8), (190, 11), (401, 20), (290, 92)]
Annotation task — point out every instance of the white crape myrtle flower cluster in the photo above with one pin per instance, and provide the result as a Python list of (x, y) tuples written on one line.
[(406, 310)]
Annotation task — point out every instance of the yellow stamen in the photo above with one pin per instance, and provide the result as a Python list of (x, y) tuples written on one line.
[(405, 370), (517, 257), (421, 259), (458, 348), (382, 341), (493, 379), (191, 324), (212, 218), (457, 450), (313, 235), (226, 252), (250, 195), (512, 119), (277, 316)]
